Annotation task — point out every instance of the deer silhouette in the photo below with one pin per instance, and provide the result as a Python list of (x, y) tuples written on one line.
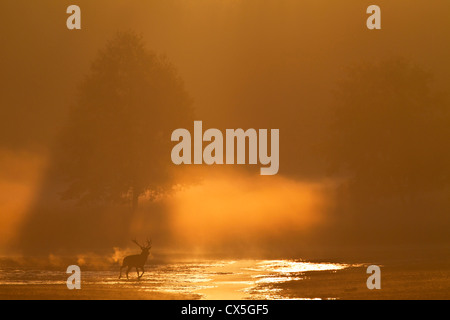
[(136, 260)]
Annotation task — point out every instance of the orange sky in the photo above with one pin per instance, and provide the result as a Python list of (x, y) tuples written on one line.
[(250, 64)]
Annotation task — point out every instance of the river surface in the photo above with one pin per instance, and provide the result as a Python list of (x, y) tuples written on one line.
[(216, 279)]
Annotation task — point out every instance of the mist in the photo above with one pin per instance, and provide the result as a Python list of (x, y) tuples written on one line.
[(245, 64)]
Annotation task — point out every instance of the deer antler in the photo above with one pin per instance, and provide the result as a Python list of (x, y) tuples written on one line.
[(149, 244), (137, 244)]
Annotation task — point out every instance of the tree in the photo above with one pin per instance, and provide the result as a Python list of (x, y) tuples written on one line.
[(116, 146), (390, 132)]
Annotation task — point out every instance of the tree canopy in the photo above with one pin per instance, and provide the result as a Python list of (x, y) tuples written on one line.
[(390, 132), (116, 146)]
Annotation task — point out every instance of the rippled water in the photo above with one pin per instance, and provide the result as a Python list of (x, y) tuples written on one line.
[(242, 279)]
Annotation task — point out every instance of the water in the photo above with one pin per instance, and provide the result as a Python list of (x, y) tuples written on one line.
[(223, 279)]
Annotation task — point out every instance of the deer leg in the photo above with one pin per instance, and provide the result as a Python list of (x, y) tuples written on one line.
[(142, 268), (137, 271), (128, 270), (120, 276)]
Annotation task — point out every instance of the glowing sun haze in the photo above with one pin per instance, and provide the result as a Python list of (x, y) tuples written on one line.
[(19, 180), (228, 205)]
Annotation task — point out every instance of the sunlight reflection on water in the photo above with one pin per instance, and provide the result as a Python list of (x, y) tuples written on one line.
[(272, 272), (289, 266), (246, 279)]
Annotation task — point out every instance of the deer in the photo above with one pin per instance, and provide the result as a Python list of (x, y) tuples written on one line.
[(136, 260)]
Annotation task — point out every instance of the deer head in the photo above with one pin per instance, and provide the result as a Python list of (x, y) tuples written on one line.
[(145, 249)]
